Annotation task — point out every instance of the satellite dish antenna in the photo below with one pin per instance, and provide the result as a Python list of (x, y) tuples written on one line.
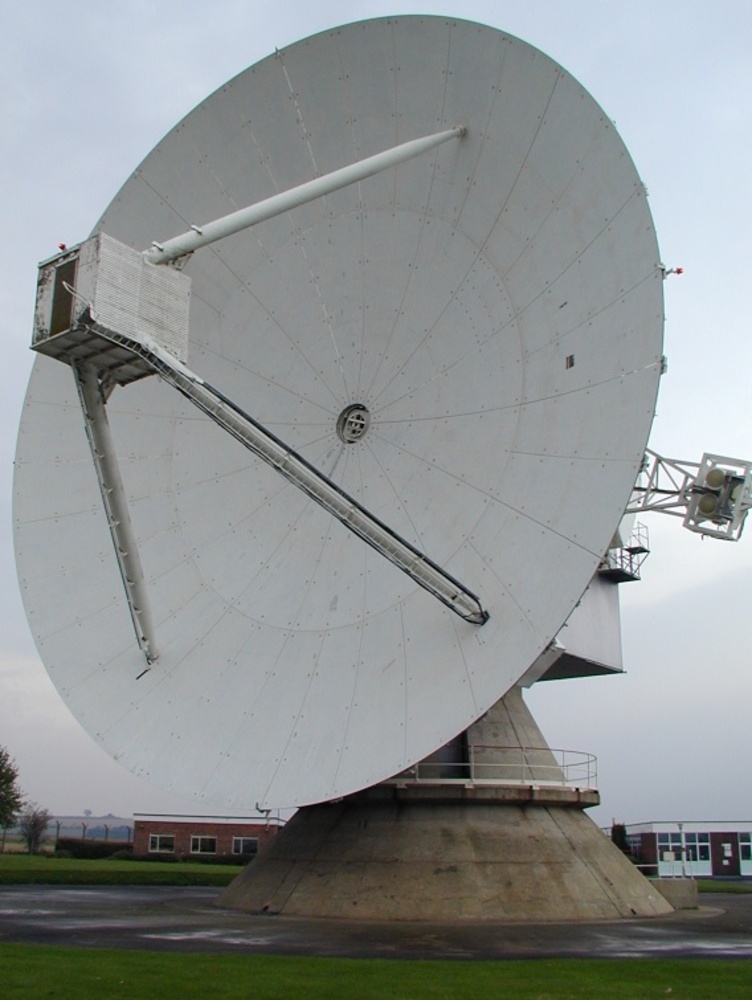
[(462, 340)]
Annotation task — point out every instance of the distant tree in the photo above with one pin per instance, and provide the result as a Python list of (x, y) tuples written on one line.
[(619, 837), (11, 797), (32, 824)]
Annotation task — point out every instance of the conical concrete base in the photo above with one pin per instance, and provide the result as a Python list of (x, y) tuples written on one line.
[(394, 859), (451, 851)]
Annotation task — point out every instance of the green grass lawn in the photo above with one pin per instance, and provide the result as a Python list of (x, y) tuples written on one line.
[(36, 971), (22, 869), (710, 885)]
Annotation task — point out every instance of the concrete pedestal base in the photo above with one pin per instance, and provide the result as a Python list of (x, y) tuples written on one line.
[(398, 858), (518, 847)]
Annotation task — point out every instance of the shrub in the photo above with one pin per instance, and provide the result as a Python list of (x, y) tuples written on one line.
[(219, 859), (91, 849), (156, 856)]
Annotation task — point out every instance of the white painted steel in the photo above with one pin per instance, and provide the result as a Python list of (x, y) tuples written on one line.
[(713, 497), (244, 218), (115, 501), (508, 765), (118, 288), (495, 304), (348, 511)]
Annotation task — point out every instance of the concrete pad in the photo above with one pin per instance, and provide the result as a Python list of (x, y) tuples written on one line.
[(681, 893), (186, 919)]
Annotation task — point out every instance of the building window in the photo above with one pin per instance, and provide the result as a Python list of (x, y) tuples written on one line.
[(164, 843), (245, 845), (745, 846), (669, 846), (203, 845), (696, 846)]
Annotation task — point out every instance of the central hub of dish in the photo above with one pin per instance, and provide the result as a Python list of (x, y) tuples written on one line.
[(353, 422)]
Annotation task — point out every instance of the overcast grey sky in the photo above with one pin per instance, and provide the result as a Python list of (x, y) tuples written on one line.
[(88, 88)]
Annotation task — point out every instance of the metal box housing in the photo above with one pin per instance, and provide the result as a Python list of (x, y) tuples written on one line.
[(102, 285)]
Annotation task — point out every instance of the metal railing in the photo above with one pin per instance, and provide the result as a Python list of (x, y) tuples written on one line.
[(502, 765)]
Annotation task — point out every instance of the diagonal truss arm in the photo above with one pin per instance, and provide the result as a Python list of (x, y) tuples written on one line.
[(272, 450)]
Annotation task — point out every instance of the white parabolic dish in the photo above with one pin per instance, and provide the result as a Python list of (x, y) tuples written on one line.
[(495, 304)]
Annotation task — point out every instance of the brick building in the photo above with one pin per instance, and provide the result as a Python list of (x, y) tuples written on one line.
[(201, 836), (696, 849)]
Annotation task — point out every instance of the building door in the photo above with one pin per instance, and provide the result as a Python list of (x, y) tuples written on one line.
[(724, 852)]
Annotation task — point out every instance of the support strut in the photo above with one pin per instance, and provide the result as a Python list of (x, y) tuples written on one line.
[(116, 507)]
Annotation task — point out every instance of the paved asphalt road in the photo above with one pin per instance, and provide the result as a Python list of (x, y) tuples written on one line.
[(186, 919)]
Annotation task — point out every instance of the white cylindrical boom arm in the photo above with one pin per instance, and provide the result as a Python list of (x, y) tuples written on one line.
[(201, 236)]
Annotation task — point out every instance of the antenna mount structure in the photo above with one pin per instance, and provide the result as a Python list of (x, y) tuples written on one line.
[(432, 328), (712, 496), (356, 530)]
